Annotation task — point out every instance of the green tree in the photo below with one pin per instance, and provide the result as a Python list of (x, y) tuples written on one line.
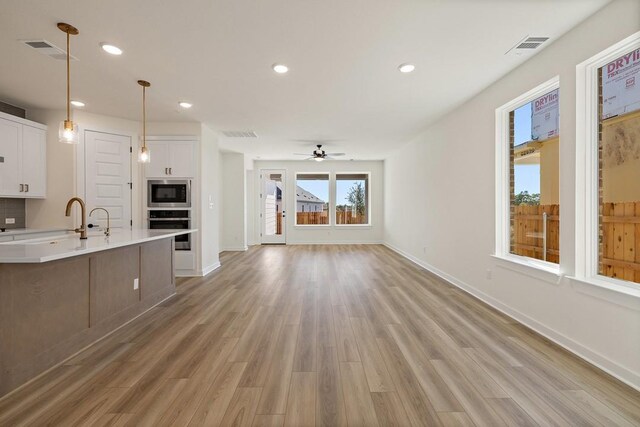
[(356, 198), (524, 198)]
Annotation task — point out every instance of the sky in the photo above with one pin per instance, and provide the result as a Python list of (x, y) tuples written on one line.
[(321, 189), (527, 177)]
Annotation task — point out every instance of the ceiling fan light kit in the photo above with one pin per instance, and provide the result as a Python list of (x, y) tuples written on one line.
[(319, 154)]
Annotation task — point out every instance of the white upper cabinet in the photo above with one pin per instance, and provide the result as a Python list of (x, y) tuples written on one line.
[(23, 158), (171, 159), (34, 162), (10, 156)]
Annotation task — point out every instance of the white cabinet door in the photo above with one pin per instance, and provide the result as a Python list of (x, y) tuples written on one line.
[(158, 167), (181, 164), (10, 166), (34, 162)]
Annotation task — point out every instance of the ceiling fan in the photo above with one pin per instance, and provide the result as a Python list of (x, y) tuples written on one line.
[(319, 154)]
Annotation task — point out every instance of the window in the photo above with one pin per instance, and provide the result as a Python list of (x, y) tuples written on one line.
[(527, 176), (619, 167), (352, 199), (312, 196)]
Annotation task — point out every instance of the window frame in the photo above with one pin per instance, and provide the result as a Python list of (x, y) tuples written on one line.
[(586, 183), (502, 179), (295, 201), (335, 195)]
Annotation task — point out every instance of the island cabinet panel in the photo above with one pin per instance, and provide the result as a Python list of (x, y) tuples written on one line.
[(49, 311), (40, 309), (112, 282), (157, 272)]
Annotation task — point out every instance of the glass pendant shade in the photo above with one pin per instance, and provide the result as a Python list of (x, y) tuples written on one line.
[(68, 132), (144, 155)]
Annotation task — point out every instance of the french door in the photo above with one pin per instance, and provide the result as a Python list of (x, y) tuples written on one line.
[(273, 214)]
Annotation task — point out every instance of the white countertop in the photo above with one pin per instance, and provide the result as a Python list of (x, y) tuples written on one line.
[(23, 231), (68, 245)]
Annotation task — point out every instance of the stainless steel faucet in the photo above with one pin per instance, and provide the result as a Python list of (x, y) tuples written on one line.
[(107, 232), (83, 227)]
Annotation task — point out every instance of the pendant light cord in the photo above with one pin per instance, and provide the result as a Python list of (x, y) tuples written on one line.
[(68, 79), (144, 116)]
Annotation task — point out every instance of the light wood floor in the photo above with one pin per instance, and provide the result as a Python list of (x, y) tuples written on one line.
[(322, 335)]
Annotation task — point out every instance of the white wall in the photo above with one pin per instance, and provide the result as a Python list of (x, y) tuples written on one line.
[(323, 234), (448, 175), (63, 174), (233, 235), (210, 195)]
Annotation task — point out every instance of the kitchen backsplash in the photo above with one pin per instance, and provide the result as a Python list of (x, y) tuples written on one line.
[(12, 208)]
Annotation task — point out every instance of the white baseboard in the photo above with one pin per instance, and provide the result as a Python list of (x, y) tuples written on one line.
[(235, 249), (612, 368), (198, 273), (335, 243), (210, 268)]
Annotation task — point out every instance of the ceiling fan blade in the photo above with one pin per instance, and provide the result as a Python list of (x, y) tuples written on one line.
[(336, 154)]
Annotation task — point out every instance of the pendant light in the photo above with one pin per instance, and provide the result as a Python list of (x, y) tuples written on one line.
[(144, 156), (68, 132)]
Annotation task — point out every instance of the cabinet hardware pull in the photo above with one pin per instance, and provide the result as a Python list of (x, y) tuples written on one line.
[(170, 171), (21, 188), (26, 188)]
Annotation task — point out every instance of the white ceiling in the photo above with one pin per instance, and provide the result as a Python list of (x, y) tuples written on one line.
[(343, 83)]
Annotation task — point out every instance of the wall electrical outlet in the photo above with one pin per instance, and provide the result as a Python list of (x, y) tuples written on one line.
[(10, 221), (135, 283)]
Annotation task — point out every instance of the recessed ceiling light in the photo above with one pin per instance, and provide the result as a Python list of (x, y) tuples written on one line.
[(280, 68), (184, 104), (406, 68), (109, 48), (77, 103)]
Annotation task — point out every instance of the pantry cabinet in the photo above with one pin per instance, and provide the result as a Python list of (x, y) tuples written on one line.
[(23, 158)]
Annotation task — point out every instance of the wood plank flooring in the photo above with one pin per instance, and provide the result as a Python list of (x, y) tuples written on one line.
[(327, 336)]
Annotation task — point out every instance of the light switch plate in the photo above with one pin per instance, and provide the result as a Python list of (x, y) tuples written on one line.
[(135, 283), (10, 221)]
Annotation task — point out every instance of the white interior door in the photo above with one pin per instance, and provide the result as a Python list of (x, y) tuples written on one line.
[(107, 178), (273, 207)]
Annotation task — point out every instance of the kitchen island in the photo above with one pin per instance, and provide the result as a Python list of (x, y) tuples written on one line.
[(60, 294)]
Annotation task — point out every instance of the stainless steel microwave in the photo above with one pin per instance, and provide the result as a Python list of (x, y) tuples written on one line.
[(169, 193)]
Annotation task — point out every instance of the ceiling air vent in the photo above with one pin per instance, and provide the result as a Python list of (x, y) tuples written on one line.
[(527, 45), (239, 134), (48, 49)]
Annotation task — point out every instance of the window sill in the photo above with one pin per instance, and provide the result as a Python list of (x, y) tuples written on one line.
[(352, 225), (541, 270), (608, 289), (313, 225)]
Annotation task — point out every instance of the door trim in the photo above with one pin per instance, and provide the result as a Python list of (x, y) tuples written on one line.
[(262, 207), (80, 176)]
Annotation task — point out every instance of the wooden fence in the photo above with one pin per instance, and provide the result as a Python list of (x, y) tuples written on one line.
[(619, 239), (312, 218), (348, 217), (527, 232), (279, 224), (320, 218)]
